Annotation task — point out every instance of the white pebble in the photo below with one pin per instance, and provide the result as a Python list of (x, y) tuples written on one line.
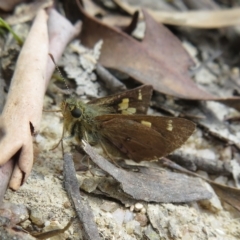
[(138, 206)]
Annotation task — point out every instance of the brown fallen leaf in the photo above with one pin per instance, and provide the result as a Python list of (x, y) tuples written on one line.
[(151, 62), (22, 113), (197, 19), (159, 60), (155, 188)]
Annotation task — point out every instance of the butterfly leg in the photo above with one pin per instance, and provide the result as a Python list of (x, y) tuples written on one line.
[(60, 141), (109, 155)]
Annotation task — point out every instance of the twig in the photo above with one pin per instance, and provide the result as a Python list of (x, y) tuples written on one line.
[(111, 82), (194, 163), (83, 210)]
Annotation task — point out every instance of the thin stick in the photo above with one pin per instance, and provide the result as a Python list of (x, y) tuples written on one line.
[(84, 213)]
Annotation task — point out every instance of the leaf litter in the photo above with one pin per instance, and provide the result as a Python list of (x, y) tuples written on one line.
[(43, 191)]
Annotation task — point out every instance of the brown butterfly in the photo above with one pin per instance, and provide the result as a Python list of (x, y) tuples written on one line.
[(120, 124)]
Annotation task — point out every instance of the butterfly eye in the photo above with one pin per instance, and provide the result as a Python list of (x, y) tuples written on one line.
[(76, 112)]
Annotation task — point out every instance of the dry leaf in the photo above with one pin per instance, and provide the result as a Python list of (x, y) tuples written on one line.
[(159, 60), (22, 113)]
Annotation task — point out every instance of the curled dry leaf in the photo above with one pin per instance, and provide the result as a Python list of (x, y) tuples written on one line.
[(159, 60), (197, 19), (22, 113)]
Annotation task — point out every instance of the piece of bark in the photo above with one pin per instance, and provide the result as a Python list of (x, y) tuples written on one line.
[(228, 194), (83, 210), (141, 186)]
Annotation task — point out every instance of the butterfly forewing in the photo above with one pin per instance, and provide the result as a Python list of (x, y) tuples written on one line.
[(143, 137), (135, 101)]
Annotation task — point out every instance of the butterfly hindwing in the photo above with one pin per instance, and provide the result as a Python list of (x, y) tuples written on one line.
[(143, 137)]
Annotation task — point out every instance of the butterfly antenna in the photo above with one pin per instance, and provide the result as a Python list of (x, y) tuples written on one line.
[(51, 56)]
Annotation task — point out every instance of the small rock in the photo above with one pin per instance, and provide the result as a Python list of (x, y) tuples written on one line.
[(132, 226), (16, 213), (109, 206), (138, 207), (235, 72), (128, 216), (67, 204), (25, 224), (221, 180), (132, 208), (118, 215), (54, 225), (37, 217), (143, 210), (203, 174), (204, 76), (142, 219), (213, 204), (226, 153), (151, 234), (206, 153)]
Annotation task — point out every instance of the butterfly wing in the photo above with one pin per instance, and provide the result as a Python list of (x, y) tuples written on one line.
[(135, 101), (143, 137)]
